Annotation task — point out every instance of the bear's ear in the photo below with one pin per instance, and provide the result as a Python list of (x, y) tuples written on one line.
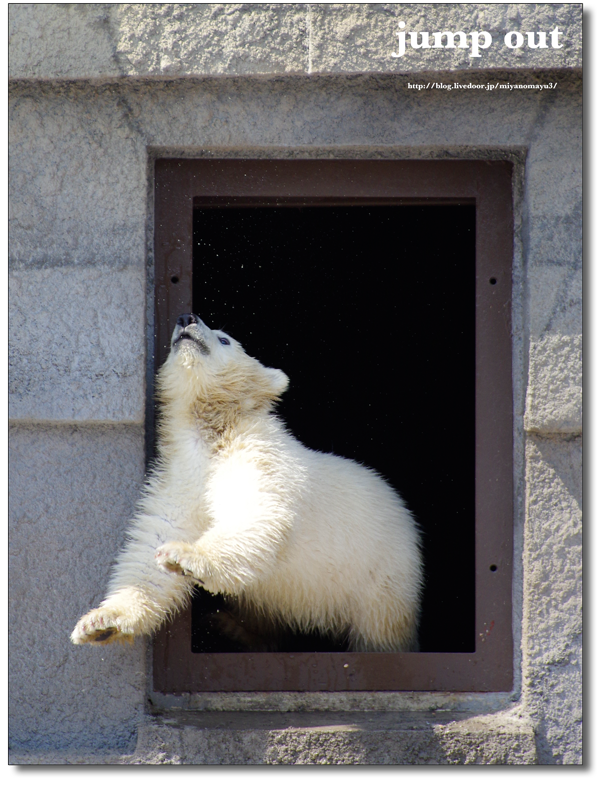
[(267, 385), (278, 380)]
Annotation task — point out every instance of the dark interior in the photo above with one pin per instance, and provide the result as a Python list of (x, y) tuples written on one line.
[(370, 310)]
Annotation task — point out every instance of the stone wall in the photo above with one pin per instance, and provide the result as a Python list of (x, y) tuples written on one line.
[(111, 40), (98, 92)]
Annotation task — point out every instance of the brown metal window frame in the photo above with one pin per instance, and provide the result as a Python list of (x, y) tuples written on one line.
[(181, 185)]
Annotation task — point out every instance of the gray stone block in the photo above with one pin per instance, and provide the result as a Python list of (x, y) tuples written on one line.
[(62, 41), (362, 740), (77, 345), (554, 393), (72, 492), (99, 41), (78, 193), (552, 612), (161, 39)]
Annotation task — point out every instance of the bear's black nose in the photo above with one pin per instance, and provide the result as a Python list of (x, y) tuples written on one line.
[(188, 319)]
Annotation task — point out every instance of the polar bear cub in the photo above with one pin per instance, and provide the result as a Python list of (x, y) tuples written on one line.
[(239, 506)]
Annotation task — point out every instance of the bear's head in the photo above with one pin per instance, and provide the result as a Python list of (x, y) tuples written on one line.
[(210, 371)]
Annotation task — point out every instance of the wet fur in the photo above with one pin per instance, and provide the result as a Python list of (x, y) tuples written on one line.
[(237, 504)]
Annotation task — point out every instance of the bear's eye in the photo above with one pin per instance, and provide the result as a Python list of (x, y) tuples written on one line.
[(223, 340)]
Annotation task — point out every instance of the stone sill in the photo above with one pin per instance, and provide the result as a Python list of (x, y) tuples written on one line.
[(271, 738)]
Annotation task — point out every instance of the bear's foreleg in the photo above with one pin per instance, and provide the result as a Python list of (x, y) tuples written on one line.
[(140, 596), (224, 562)]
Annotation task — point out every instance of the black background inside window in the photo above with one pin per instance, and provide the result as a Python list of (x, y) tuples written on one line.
[(370, 311)]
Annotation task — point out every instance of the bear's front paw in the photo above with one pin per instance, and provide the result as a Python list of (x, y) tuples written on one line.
[(99, 627), (177, 557)]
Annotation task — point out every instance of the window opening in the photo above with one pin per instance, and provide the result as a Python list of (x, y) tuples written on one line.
[(370, 310)]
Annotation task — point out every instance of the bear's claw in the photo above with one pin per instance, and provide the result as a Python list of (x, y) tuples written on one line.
[(102, 636)]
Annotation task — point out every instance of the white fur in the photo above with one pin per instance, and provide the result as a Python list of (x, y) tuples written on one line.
[(309, 539)]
